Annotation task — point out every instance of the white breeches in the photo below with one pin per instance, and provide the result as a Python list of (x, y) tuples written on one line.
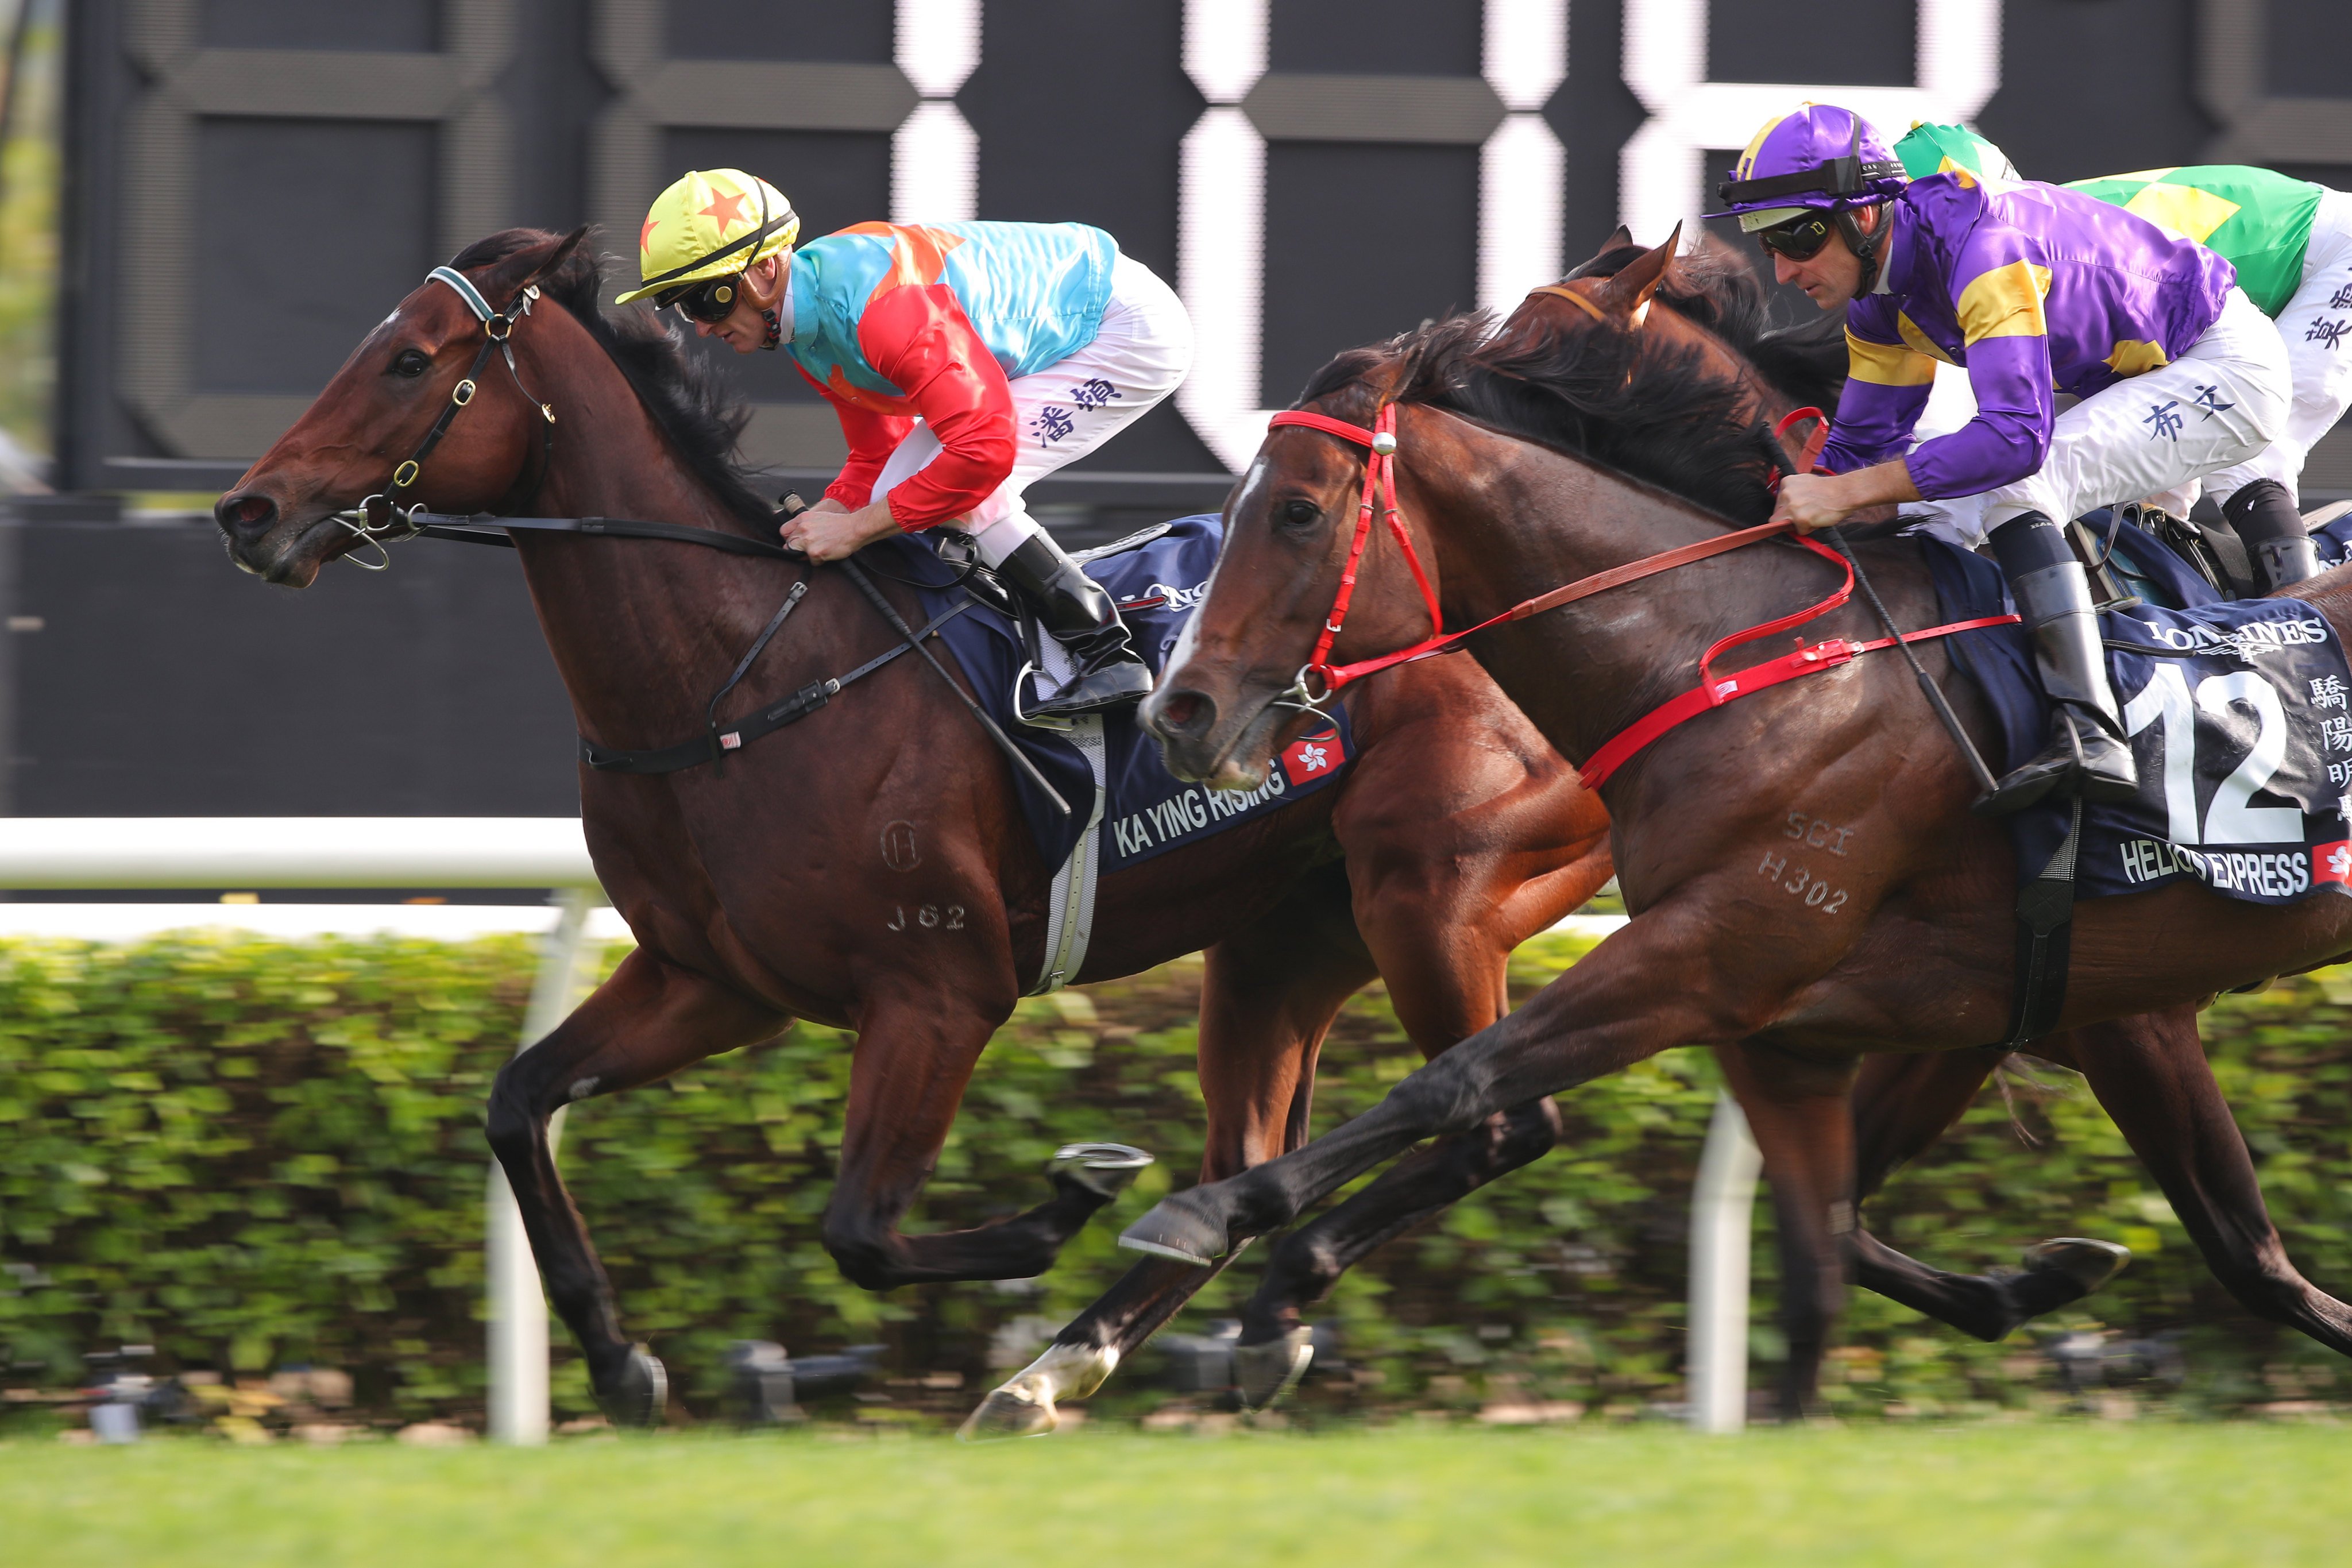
[(2219, 404), (1138, 356)]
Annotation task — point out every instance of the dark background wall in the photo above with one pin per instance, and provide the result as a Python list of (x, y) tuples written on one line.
[(253, 182)]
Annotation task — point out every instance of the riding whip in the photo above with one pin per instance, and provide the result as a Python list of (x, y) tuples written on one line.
[(1986, 783)]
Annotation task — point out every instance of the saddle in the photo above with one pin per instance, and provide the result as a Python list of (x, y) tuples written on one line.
[(2123, 577)]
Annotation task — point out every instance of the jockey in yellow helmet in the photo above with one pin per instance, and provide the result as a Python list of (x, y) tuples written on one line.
[(963, 360)]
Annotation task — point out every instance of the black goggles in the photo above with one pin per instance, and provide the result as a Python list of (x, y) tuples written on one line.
[(711, 300), (1800, 239)]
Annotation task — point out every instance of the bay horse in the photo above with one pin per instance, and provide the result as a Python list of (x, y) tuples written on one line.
[(775, 892), (1914, 952), (2150, 1070)]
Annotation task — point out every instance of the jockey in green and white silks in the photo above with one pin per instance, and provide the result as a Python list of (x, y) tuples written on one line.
[(2035, 291), (2291, 243)]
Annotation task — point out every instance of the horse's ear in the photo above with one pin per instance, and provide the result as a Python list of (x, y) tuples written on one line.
[(1628, 293), (529, 265)]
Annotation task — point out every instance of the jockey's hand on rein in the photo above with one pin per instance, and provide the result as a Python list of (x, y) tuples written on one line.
[(831, 532), (1812, 501)]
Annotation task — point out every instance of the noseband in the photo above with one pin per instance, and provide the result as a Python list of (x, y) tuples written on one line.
[(381, 519)]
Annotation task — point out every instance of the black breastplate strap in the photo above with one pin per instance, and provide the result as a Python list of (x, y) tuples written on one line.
[(714, 745)]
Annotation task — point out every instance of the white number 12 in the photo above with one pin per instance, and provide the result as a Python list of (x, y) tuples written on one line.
[(2229, 819)]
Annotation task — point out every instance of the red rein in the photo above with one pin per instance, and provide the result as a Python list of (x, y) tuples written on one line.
[(1380, 495)]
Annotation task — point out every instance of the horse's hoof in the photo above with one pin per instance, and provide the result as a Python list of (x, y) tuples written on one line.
[(1264, 1374), (1105, 1170), (2087, 1264), (1008, 1413), (634, 1396), (1172, 1230)]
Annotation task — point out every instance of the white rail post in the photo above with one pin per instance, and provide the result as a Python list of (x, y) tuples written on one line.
[(517, 1307), (1723, 1209)]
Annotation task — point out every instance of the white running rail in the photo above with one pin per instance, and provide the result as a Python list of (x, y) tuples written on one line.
[(91, 853), (1723, 1204)]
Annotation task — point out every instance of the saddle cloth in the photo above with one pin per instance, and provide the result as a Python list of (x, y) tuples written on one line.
[(1139, 809), (2239, 715)]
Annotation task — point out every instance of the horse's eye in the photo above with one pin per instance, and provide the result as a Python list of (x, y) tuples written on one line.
[(410, 362), (1301, 513)]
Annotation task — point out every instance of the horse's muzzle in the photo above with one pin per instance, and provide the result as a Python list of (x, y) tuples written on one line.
[(1195, 746)]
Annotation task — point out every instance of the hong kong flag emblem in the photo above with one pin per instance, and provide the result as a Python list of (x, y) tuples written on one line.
[(2332, 863), (1312, 757)]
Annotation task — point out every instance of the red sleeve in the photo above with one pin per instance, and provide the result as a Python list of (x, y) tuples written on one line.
[(918, 337), (872, 439)]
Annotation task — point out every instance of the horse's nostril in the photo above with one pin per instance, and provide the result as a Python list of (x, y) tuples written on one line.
[(244, 514), (1184, 713)]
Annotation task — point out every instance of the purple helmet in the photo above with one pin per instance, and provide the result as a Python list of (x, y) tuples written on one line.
[(1820, 156)]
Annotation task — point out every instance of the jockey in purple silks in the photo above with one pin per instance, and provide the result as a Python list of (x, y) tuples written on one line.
[(2034, 290)]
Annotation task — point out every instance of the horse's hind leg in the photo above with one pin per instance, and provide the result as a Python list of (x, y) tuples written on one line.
[(648, 1020), (1798, 1109), (1267, 997), (1901, 1105), (2151, 1076)]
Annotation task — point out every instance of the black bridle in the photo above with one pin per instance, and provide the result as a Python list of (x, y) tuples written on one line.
[(496, 528), (381, 519)]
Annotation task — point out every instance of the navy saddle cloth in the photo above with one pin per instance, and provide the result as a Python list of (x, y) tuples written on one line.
[(2241, 722), (1158, 577)]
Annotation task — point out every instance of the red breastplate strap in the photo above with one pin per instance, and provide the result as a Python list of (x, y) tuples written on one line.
[(1620, 748)]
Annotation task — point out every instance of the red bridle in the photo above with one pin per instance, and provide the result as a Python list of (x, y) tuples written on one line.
[(1712, 691), (1380, 485)]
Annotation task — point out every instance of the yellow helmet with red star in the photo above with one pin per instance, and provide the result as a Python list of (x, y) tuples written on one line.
[(713, 222)]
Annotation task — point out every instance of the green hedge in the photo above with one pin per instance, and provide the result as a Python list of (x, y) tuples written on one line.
[(257, 1154)]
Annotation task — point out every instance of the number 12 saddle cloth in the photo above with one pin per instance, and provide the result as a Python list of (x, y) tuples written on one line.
[(2240, 716)]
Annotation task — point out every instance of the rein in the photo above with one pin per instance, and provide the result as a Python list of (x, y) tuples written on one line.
[(1712, 691)]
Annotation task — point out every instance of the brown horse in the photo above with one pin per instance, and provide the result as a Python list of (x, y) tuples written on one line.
[(2150, 1070), (777, 891), (1914, 953)]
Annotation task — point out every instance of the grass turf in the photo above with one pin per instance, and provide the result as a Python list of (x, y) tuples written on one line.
[(2050, 1492)]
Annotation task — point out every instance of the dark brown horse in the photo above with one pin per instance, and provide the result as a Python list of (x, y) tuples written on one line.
[(2151, 1069), (1912, 954), (787, 887)]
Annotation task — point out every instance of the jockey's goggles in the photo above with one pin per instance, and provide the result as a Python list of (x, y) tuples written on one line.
[(710, 300), (1800, 239)]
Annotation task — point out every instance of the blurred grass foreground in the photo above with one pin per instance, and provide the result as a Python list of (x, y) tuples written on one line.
[(265, 1159), (2150, 1496)]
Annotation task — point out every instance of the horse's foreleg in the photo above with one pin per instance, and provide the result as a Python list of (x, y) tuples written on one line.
[(915, 1055), (1901, 1105), (2151, 1076), (648, 1020), (1798, 1109), (1606, 1013), (1308, 1262), (1268, 994)]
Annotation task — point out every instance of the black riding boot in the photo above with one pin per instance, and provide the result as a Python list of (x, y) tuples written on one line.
[(1076, 613), (2266, 521), (2087, 753)]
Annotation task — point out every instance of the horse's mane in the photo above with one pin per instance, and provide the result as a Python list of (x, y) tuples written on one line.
[(1714, 286), (1621, 400), (688, 400)]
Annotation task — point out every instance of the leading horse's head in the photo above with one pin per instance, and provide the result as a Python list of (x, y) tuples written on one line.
[(1237, 687), (354, 441)]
